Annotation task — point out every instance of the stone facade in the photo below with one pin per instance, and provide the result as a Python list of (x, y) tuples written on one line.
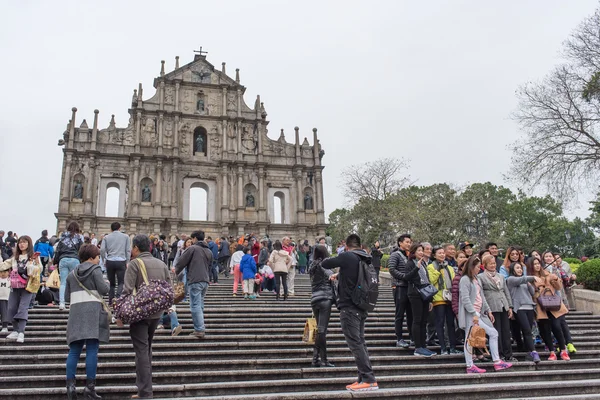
[(195, 132)]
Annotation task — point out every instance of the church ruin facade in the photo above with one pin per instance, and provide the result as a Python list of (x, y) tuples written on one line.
[(196, 133)]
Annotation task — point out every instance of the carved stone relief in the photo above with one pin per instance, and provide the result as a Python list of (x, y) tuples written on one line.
[(149, 133), (169, 95), (168, 139)]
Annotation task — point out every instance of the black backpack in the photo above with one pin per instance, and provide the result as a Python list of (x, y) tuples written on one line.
[(365, 293)]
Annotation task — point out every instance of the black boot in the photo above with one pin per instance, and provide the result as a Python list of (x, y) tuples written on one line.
[(323, 350), (89, 393), (71, 389), (315, 361)]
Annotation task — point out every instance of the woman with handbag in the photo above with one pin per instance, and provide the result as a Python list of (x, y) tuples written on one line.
[(441, 275), (88, 322), (420, 293), (322, 298), (474, 310), (548, 320), (23, 266)]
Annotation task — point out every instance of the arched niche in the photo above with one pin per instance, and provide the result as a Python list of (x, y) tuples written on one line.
[(279, 205), (308, 199), (78, 187), (200, 144), (250, 196), (146, 182)]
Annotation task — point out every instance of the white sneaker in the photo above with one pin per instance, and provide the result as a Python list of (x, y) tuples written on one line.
[(4, 330), (114, 320), (21, 338), (61, 306), (13, 335)]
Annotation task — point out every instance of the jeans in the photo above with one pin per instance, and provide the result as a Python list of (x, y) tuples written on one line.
[(291, 278), (142, 333), (197, 293), (402, 304), (502, 325), (224, 266), (65, 267), (115, 269), (492, 333), (281, 279), (214, 271), (169, 319), (444, 314), (352, 321), (420, 312), (91, 357), (525, 319)]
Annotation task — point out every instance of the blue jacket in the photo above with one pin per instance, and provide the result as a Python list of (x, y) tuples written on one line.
[(248, 267), (44, 248), (212, 246)]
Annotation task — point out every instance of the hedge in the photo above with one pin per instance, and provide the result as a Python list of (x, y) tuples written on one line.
[(588, 274), (572, 260), (384, 261)]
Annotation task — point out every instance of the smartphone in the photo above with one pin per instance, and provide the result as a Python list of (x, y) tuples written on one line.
[(36, 254)]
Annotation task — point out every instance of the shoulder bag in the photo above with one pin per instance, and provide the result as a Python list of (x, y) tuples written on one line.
[(426, 291), (549, 302), (153, 296)]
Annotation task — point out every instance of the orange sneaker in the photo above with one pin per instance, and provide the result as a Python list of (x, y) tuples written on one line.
[(354, 384), (565, 355), (363, 387), (552, 356)]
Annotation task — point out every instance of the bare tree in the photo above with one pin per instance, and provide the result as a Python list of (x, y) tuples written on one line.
[(375, 180), (560, 119)]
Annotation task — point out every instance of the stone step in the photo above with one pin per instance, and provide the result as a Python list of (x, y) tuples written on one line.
[(414, 387)]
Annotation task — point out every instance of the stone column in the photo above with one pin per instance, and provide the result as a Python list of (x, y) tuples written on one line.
[(158, 195), (176, 138), (161, 95), (135, 186), (72, 128), (239, 103), (138, 128), (240, 199), (224, 132), (225, 196), (319, 200), (176, 96), (90, 184), (224, 112), (95, 131), (299, 197), (160, 132), (238, 134), (67, 182), (175, 196)]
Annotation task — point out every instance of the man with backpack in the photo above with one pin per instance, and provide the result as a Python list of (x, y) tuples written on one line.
[(357, 293)]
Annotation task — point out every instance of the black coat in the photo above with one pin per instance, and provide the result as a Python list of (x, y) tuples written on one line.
[(322, 287), (397, 266)]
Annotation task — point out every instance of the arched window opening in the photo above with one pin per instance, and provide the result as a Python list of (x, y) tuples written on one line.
[(278, 208), (200, 144), (112, 201), (198, 204)]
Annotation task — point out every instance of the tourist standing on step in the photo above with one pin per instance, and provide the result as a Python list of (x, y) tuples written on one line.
[(223, 256), (234, 268), (67, 256), (521, 291), (499, 300), (214, 269), (22, 265), (115, 251), (377, 254), (416, 276), (474, 310), (291, 277), (42, 245), (552, 320), (397, 267), (198, 261), (280, 261), (322, 298), (88, 319), (248, 271), (352, 319), (142, 332), (4, 294), (441, 275)]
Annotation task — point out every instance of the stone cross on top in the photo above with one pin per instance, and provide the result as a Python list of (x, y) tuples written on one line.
[(200, 52)]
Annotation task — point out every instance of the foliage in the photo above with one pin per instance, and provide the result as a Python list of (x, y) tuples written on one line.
[(588, 274), (384, 261), (574, 268), (560, 119), (572, 260)]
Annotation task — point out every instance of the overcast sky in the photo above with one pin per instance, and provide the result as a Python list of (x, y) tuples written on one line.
[(430, 81)]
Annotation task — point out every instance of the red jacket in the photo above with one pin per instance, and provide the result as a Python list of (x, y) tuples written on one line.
[(455, 294)]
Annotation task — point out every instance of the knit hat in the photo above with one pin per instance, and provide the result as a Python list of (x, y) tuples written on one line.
[(4, 267)]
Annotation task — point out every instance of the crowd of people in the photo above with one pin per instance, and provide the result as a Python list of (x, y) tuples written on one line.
[(468, 289)]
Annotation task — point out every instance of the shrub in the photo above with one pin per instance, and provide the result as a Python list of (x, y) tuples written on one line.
[(384, 261), (572, 260), (588, 274), (574, 268)]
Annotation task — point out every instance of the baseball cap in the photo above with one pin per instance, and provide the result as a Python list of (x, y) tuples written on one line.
[(463, 245)]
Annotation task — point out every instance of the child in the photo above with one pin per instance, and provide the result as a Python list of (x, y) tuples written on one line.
[(248, 271), (4, 293)]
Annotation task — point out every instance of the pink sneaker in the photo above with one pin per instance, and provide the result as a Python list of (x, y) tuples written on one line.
[(499, 366), (475, 370)]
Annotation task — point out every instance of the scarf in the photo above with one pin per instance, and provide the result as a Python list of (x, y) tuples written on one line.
[(445, 275), (493, 276)]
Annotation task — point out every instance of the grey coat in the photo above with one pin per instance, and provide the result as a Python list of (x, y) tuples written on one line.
[(521, 292), (466, 310), (87, 318), (498, 299)]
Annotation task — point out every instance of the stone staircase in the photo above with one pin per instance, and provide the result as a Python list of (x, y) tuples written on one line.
[(253, 350)]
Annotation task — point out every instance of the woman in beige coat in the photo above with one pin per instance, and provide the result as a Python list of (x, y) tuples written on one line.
[(279, 261), (551, 320)]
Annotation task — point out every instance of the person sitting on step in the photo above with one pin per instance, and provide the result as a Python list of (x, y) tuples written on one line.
[(170, 321)]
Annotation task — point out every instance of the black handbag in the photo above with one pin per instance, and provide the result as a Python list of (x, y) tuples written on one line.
[(426, 291), (550, 302)]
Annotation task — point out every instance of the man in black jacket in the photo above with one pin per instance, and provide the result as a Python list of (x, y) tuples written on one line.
[(198, 259), (397, 265), (352, 319)]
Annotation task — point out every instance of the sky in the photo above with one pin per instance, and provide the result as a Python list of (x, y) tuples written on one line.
[(432, 82)]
